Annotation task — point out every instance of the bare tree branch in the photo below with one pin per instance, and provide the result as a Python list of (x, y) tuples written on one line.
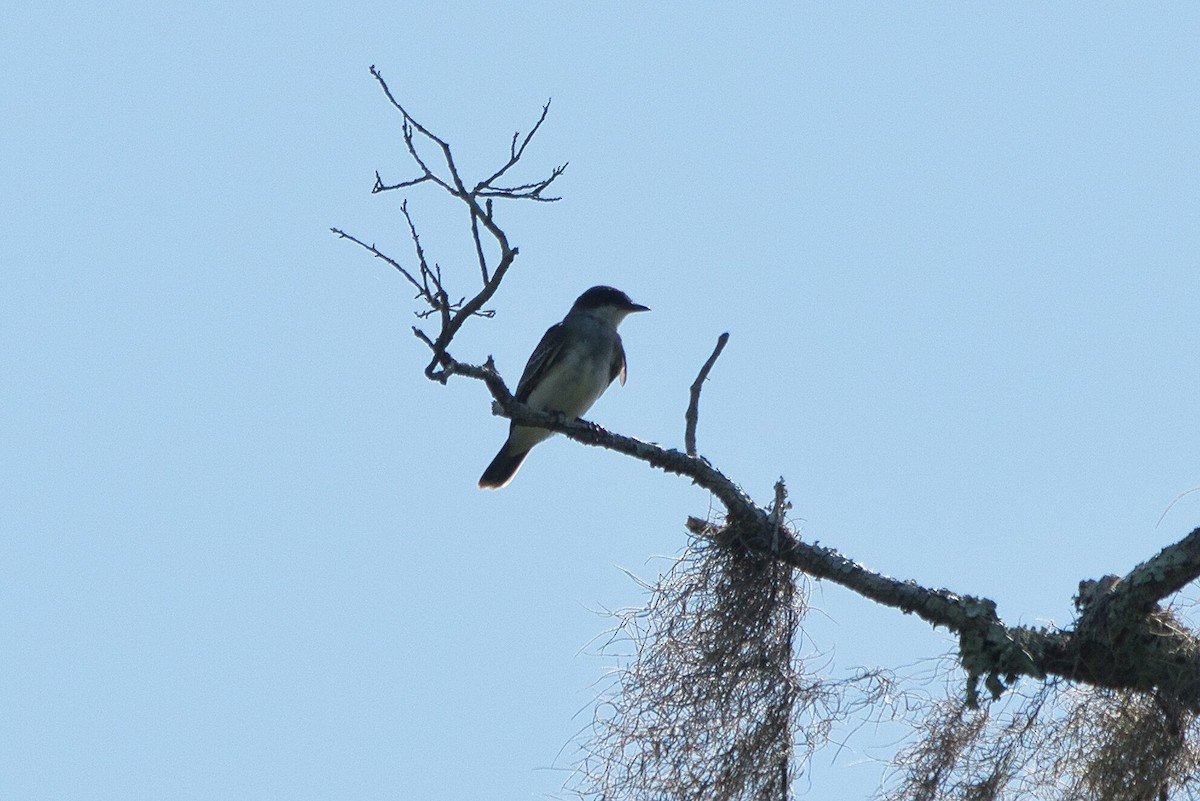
[(1122, 639), (531, 191), (478, 201), (1172, 569), (693, 410), (374, 251)]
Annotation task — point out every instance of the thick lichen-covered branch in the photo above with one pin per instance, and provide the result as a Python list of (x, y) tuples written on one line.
[(1132, 649)]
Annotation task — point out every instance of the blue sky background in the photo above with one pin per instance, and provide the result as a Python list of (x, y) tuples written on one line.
[(242, 554)]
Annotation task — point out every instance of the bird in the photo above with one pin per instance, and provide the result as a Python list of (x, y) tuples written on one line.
[(570, 368)]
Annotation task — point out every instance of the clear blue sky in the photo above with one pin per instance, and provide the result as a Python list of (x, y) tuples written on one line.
[(242, 554)]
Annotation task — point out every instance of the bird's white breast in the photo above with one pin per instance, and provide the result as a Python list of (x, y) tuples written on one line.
[(580, 372), (577, 380)]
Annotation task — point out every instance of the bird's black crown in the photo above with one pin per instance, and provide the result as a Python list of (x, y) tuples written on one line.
[(599, 296)]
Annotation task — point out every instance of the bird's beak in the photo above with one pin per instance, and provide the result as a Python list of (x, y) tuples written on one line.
[(637, 307)]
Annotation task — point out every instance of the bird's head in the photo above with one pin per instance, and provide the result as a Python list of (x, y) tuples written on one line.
[(607, 302)]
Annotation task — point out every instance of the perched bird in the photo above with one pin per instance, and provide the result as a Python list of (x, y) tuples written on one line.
[(570, 368)]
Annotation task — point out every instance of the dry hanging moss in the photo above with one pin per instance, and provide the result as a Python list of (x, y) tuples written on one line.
[(1066, 743), (709, 706)]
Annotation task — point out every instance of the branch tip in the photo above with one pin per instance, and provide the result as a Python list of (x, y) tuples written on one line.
[(692, 415)]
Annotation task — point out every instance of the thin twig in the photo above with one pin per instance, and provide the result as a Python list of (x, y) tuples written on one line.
[(374, 251), (779, 508), (514, 155), (458, 190), (479, 254), (693, 411)]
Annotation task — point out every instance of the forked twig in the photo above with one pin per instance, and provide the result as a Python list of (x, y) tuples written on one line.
[(427, 278)]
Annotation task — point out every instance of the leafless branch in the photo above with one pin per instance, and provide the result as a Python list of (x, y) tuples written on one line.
[(693, 410), (429, 287), (374, 251), (426, 278), (531, 191), (1158, 654), (1122, 640)]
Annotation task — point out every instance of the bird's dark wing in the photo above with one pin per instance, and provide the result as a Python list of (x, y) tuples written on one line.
[(543, 356), (617, 369)]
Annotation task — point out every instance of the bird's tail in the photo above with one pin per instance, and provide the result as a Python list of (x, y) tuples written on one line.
[(502, 469)]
